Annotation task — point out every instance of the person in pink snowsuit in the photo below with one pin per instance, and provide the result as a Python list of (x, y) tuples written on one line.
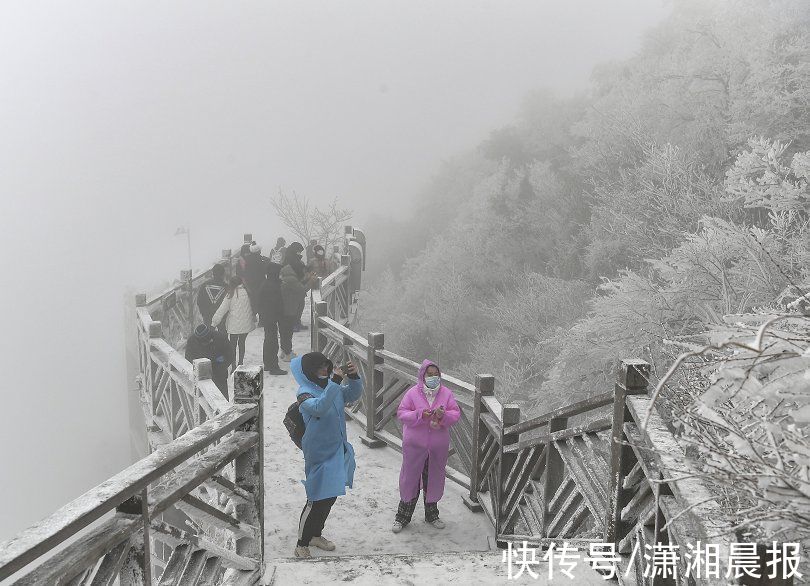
[(427, 412)]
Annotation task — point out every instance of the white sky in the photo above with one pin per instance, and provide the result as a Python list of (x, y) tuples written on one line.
[(120, 121)]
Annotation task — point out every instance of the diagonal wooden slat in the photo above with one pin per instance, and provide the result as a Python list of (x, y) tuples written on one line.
[(177, 563), (110, 565), (592, 491)]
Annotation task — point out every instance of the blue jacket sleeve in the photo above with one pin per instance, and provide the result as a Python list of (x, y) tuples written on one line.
[(353, 390), (320, 406)]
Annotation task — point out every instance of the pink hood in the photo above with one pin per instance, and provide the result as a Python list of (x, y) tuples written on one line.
[(420, 378)]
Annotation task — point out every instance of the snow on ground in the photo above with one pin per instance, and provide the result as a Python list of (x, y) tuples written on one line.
[(411, 570), (360, 521)]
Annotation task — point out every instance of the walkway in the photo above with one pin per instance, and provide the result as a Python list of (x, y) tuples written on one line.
[(360, 521)]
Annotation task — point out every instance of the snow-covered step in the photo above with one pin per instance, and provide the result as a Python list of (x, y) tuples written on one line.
[(471, 567)]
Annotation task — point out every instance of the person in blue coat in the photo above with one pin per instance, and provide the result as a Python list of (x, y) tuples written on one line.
[(328, 457)]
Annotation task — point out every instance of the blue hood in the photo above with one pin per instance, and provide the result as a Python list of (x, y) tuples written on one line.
[(304, 384)]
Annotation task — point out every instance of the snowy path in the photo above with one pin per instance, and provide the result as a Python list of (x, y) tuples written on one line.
[(360, 521)]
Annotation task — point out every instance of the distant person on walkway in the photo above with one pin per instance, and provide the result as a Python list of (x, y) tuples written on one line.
[(427, 412), (211, 294), (271, 310), (208, 343), (328, 456), (311, 250), (320, 265), (244, 251), (280, 248), (240, 316), (253, 274), (295, 282)]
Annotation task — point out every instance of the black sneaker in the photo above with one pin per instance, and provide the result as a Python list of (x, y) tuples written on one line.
[(276, 371)]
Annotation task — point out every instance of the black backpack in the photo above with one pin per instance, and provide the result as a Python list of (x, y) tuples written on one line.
[(294, 421)]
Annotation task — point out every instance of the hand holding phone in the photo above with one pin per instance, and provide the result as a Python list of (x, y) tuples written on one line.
[(350, 368)]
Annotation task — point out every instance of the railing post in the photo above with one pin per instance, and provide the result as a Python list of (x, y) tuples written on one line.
[(632, 379), (345, 299), (318, 341), (484, 387), (511, 416), (137, 568), (555, 472), (373, 386), (155, 329), (202, 371), (185, 276), (313, 317), (248, 383)]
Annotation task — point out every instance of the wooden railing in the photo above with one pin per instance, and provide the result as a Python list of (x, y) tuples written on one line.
[(176, 307), (192, 510), (589, 472), (214, 463)]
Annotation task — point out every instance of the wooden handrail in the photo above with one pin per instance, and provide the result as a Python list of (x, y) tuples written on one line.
[(592, 427), (344, 331), (589, 404)]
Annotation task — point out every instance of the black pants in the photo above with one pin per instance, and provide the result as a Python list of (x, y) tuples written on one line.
[(270, 346), (313, 518), (239, 340), (285, 331), (406, 509)]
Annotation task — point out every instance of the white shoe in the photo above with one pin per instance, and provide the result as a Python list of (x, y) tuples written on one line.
[(437, 523), (322, 543), (302, 551), (397, 527)]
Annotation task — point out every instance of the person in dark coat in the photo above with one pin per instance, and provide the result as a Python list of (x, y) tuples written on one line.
[(295, 282), (208, 343), (329, 463), (292, 297), (253, 275), (211, 294), (271, 311)]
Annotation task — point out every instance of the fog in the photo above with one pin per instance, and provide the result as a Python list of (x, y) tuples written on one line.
[(120, 122)]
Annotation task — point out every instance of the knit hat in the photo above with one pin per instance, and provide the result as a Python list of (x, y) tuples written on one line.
[(202, 331), (255, 248), (311, 362)]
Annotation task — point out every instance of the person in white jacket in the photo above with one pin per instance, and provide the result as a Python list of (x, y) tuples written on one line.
[(240, 318)]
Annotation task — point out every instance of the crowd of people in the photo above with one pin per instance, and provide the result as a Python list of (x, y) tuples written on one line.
[(274, 288), (271, 288)]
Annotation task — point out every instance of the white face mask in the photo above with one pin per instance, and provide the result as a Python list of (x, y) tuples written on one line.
[(432, 382)]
